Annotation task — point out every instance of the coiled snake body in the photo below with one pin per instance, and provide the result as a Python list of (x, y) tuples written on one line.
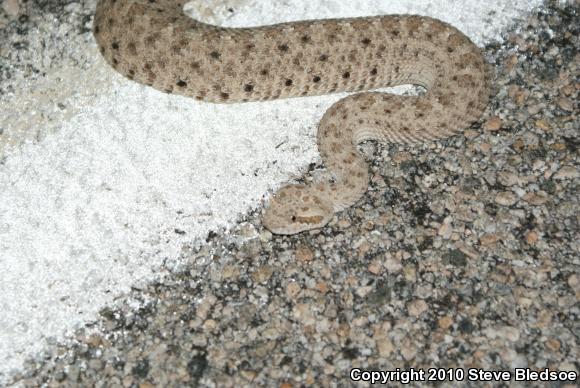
[(153, 42)]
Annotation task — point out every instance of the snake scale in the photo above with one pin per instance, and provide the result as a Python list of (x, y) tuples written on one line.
[(154, 43)]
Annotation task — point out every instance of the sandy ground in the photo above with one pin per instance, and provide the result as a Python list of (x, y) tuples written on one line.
[(88, 207)]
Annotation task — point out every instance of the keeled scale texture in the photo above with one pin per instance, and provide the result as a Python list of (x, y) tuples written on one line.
[(153, 42)]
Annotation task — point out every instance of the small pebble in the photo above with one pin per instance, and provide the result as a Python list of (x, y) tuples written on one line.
[(445, 322), (417, 307), (506, 198), (493, 124), (303, 253), (567, 172), (532, 237), (565, 104)]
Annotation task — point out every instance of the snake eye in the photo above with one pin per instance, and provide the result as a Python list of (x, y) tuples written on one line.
[(293, 218)]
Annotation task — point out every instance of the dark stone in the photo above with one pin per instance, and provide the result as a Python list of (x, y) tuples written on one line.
[(456, 258), (197, 365)]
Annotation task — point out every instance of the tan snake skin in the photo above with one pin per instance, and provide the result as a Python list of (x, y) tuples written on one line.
[(153, 42)]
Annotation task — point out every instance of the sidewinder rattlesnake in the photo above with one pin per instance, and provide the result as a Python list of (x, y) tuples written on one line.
[(153, 42)]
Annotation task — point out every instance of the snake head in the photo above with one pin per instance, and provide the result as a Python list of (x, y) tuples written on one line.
[(295, 209)]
